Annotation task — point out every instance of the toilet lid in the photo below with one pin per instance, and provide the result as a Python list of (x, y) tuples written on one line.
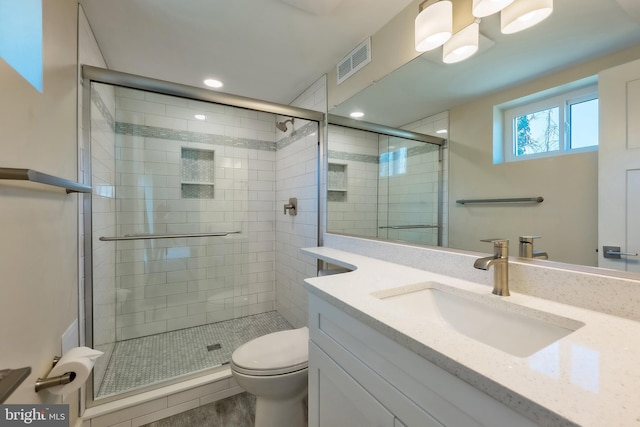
[(273, 354)]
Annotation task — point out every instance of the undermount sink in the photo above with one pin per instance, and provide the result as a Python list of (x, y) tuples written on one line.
[(517, 330)]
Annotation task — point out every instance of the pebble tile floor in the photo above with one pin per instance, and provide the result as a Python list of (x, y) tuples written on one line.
[(148, 360)]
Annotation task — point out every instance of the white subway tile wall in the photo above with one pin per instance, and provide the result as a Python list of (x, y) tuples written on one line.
[(103, 169), (431, 126), (354, 211), (297, 176), (409, 192)]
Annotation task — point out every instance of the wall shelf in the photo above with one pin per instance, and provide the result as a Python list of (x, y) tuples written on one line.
[(43, 178), (337, 182)]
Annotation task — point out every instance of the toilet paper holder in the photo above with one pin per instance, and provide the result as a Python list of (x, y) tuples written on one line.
[(42, 383)]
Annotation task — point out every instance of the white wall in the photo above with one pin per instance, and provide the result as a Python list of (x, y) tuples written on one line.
[(39, 250)]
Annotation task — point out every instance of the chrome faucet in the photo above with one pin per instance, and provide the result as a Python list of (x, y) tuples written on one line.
[(526, 248), (500, 263)]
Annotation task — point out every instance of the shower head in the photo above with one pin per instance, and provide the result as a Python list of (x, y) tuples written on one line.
[(283, 125)]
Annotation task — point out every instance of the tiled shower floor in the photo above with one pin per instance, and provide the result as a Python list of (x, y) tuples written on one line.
[(144, 361)]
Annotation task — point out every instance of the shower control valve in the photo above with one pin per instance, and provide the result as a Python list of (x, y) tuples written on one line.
[(292, 207)]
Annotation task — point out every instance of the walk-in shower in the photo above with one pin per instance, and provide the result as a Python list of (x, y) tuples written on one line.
[(182, 265)]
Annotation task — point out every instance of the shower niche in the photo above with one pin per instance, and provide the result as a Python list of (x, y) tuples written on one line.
[(337, 182), (197, 173)]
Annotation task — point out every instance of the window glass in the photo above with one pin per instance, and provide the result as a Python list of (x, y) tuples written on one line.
[(584, 124), (537, 132), (393, 162)]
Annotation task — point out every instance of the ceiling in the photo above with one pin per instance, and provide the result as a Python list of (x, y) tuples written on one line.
[(275, 49), (577, 31), (265, 49)]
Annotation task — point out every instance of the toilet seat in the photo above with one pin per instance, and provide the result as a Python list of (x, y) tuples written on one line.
[(277, 353)]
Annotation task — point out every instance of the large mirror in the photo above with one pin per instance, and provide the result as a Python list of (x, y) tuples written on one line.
[(568, 50)]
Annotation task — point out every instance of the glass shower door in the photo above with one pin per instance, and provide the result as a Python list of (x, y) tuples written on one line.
[(409, 190)]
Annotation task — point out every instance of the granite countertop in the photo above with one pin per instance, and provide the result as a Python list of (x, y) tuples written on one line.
[(590, 377)]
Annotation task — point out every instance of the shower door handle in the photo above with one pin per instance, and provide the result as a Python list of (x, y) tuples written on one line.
[(165, 236)]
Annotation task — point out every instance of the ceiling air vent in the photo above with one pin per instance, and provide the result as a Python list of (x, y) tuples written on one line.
[(354, 61)]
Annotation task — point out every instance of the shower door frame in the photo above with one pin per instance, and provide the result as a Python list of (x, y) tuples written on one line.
[(91, 74)]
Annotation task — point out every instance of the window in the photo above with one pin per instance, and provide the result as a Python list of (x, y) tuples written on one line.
[(21, 38), (550, 126)]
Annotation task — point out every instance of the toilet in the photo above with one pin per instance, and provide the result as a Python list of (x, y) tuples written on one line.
[(274, 368)]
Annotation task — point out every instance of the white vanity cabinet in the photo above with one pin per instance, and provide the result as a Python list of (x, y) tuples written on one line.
[(360, 377), (341, 400)]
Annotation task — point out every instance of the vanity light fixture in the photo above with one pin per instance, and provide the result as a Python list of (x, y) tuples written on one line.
[(462, 44), (523, 14), (436, 20), (433, 25), (357, 114), (482, 8), (213, 83), (200, 117)]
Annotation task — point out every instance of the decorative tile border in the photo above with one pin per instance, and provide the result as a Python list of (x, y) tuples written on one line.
[(189, 136), (366, 158), (308, 129), (343, 155), (97, 100), (421, 149)]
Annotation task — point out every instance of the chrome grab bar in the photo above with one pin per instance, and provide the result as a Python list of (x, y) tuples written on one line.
[(538, 199), (403, 227), (165, 236)]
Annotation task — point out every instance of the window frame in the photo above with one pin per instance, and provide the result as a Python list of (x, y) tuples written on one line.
[(563, 102)]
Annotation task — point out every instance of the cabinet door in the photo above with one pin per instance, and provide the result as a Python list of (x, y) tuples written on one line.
[(340, 400)]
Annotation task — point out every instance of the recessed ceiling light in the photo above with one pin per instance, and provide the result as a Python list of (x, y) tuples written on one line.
[(441, 131), (357, 114), (213, 83), (200, 117)]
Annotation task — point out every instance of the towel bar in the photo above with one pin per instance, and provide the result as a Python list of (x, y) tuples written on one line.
[(43, 178), (538, 199)]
